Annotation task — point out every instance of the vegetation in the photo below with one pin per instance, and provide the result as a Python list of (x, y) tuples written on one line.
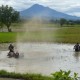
[(68, 35), (62, 21), (8, 16), (64, 75), (33, 36), (26, 76), (7, 37), (60, 75), (59, 34)]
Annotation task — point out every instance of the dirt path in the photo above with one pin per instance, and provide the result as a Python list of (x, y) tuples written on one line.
[(8, 79)]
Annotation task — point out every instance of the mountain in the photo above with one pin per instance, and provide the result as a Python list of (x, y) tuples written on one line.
[(42, 12)]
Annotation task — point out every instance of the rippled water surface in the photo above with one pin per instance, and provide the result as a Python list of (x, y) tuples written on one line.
[(44, 58)]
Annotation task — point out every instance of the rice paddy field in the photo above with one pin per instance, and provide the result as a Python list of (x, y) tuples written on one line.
[(50, 33), (68, 35)]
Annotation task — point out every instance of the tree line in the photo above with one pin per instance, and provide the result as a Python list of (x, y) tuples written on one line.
[(63, 21), (68, 22)]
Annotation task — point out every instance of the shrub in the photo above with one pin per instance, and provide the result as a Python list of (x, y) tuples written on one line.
[(64, 75)]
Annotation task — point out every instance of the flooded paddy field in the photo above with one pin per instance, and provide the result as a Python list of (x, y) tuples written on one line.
[(44, 58)]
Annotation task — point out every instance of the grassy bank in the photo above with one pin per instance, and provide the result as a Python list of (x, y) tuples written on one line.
[(60, 75), (5, 74)]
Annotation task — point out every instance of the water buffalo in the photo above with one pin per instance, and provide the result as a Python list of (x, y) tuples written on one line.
[(13, 54), (77, 47)]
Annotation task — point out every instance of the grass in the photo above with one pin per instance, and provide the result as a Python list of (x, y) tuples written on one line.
[(6, 37), (33, 36), (68, 35), (26, 76), (65, 34), (59, 75), (38, 36)]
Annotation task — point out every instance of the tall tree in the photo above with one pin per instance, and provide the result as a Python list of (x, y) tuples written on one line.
[(8, 16)]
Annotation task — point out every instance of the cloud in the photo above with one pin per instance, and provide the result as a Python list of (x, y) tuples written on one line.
[(59, 5), (75, 14)]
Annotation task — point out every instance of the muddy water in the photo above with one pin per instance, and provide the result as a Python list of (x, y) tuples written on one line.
[(44, 58)]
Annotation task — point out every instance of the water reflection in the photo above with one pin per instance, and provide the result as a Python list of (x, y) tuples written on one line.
[(77, 55)]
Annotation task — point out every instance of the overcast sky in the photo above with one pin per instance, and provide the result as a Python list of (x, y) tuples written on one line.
[(68, 6)]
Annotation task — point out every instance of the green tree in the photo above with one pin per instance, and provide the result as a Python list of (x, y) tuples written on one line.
[(8, 16), (62, 21), (1, 25)]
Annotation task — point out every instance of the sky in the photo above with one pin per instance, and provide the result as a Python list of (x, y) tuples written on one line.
[(71, 7)]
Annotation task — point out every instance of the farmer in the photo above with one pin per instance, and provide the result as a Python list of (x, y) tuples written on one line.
[(77, 47), (11, 48)]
